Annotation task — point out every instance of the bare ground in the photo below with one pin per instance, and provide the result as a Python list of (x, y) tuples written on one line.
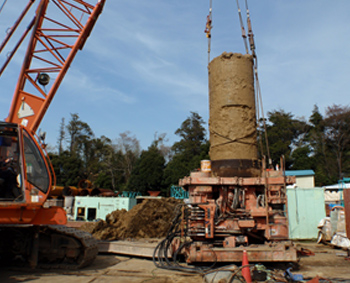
[(328, 263)]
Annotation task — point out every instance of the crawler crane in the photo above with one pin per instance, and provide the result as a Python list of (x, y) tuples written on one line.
[(30, 233)]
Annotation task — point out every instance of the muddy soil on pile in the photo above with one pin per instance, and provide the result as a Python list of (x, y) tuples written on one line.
[(150, 219), (232, 120)]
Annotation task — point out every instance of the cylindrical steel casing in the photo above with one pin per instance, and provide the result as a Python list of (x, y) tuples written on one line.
[(232, 122)]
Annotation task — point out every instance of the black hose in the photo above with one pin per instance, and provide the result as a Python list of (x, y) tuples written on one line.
[(160, 254)]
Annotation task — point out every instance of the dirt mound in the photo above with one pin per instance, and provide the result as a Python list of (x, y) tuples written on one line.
[(150, 219)]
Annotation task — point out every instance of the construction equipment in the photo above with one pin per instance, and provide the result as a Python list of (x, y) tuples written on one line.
[(236, 202), (239, 202), (228, 214), (29, 232)]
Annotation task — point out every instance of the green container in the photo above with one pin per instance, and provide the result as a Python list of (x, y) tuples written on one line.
[(306, 207), (94, 208)]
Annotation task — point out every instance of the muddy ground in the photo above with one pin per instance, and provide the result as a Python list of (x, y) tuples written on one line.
[(327, 262)]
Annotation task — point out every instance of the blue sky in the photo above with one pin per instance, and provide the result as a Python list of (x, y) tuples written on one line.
[(144, 67)]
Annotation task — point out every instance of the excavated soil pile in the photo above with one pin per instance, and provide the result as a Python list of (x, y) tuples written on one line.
[(150, 219)]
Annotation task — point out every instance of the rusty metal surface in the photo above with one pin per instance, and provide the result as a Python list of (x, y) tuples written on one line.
[(239, 181), (225, 214), (235, 167), (272, 252)]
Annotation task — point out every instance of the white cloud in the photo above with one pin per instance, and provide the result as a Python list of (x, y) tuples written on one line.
[(150, 58), (94, 90)]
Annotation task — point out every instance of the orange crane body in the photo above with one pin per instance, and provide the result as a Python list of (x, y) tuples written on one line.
[(26, 175), (55, 62)]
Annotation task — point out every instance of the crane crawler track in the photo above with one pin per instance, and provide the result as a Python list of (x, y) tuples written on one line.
[(76, 248)]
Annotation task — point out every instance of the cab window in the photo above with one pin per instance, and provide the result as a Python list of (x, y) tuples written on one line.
[(37, 172)]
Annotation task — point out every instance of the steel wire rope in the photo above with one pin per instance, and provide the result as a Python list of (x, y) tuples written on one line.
[(259, 96), (259, 121), (257, 84), (208, 28), (260, 104), (2, 5), (244, 35), (250, 31)]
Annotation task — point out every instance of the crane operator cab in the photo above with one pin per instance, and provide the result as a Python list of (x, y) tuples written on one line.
[(24, 171)]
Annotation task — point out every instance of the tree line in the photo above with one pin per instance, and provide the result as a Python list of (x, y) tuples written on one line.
[(320, 143), (121, 165)]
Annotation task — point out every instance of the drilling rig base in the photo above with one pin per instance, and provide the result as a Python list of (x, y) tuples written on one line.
[(269, 252)]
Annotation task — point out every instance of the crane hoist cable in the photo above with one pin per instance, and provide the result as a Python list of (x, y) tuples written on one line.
[(244, 35), (208, 27), (253, 53), (257, 83), (250, 31), (2, 5), (260, 103)]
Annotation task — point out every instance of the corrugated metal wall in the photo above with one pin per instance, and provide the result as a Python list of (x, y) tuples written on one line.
[(306, 207)]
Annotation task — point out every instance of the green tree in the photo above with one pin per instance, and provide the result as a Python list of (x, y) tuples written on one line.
[(318, 154), (326, 145), (147, 174), (105, 164), (284, 133), (100, 163), (189, 151), (61, 137), (192, 135), (337, 137), (79, 134), (79, 161), (329, 139), (302, 158), (127, 152), (68, 168)]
